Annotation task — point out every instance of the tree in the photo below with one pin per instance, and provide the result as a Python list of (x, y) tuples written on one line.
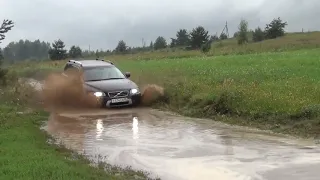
[(198, 37), (183, 38), (258, 35), (151, 45), (5, 27), (236, 34), (214, 38), (26, 49), (275, 29), (75, 52), (243, 32), (160, 43), (206, 46), (57, 52), (223, 36), (121, 47), (97, 53), (173, 43)]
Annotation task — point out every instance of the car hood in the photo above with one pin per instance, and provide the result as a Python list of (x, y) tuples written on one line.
[(111, 85)]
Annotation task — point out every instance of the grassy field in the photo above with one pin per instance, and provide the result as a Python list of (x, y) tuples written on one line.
[(277, 91), (271, 85)]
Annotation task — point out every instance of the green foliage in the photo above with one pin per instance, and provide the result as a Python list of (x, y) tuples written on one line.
[(57, 52), (151, 45), (25, 49), (258, 35), (75, 52), (160, 43), (198, 37), (6, 26), (214, 38), (275, 29), (206, 47), (236, 34), (3, 72), (242, 36), (223, 36), (121, 47), (183, 38), (173, 43), (98, 53), (1, 56)]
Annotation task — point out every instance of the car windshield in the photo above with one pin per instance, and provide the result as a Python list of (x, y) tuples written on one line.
[(102, 73)]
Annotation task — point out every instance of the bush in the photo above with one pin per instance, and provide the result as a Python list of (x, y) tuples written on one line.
[(243, 32), (258, 35)]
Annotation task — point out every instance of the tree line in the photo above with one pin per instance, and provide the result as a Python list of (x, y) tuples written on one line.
[(196, 39), (25, 49), (199, 39)]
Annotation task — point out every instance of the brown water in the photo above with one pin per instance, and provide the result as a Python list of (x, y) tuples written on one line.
[(175, 147)]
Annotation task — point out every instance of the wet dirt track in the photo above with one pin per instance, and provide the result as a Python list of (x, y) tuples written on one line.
[(175, 147)]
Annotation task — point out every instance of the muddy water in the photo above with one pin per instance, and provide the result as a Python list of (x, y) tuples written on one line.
[(174, 147)]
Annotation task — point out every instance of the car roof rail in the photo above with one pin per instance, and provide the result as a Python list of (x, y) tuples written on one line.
[(76, 62), (105, 61)]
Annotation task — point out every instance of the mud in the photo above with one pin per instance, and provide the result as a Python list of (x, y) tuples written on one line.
[(176, 147), (60, 92)]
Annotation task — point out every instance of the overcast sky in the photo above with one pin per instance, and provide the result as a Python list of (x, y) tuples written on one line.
[(102, 23)]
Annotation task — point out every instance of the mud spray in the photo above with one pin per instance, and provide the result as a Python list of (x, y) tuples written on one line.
[(61, 92)]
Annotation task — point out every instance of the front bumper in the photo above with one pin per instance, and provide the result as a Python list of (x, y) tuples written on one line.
[(132, 100)]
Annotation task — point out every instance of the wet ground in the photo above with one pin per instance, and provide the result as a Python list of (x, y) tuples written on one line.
[(175, 147)]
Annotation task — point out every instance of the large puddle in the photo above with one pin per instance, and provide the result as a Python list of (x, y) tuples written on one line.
[(174, 147)]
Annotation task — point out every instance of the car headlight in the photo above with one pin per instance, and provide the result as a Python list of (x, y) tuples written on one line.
[(134, 91), (99, 94)]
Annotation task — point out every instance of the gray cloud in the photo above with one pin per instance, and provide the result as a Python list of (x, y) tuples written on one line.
[(102, 23)]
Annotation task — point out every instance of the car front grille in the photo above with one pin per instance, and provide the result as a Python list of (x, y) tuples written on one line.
[(117, 94)]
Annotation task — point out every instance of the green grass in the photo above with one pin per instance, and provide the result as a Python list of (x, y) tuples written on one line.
[(277, 91), (268, 82), (281, 89), (274, 80)]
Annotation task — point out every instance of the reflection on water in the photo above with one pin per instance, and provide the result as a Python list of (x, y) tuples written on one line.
[(174, 148), (99, 126), (135, 128)]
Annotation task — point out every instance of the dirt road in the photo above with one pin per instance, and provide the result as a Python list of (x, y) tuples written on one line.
[(175, 147)]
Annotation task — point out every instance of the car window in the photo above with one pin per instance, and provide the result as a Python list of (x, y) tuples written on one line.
[(102, 73), (70, 69)]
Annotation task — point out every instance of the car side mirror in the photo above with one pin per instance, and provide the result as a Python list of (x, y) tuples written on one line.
[(127, 74)]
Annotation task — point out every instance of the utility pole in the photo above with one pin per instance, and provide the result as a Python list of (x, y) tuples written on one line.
[(226, 28), (143, 43)]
